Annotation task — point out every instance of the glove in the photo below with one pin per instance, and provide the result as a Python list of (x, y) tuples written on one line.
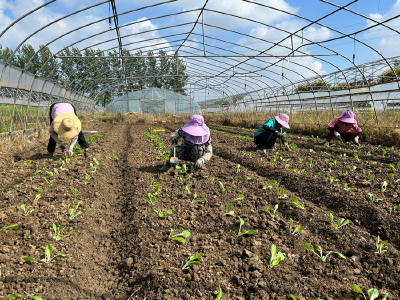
[(70, 153), (356, 141), (174, 140), (199, 163), (62, 147), (337, 135), (326, 144)]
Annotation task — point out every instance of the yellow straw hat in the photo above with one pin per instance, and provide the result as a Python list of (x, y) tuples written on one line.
[(67, 125)]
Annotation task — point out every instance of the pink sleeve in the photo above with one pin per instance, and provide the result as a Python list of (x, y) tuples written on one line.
[(332, 124), (356, 128)]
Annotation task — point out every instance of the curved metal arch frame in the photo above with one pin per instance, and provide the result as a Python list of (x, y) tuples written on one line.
[(276, 44)]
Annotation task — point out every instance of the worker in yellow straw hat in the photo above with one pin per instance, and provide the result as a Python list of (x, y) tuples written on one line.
[(65, 123)]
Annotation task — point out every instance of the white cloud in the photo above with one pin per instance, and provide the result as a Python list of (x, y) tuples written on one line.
[(388, 41)]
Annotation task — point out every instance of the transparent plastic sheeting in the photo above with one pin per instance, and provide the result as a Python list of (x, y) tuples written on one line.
[(154, 101), (382, 96), (25, 99)]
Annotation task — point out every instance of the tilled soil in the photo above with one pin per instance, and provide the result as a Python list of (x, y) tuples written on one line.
[(121, 249)]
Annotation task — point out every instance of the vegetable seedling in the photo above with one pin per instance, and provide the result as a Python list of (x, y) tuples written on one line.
[(294, 298), (160, 214), (87, 178), (248, 232), (238, 168), (309, 164), (309, 247), (57, 232), (356, 157), (295, 203), (5, 192), (397, 207), (231, 212), (373, 198), (193, 260), (247, 178), (331, 179), (384, 186), (343, 156), (273, 215), (347, 189), (150, 198), (219, 294), (239, 198), (281, 192), (297, 230), (183, 169), (351, 168), (379, 245), (113, 157), (47, 256), (18, 297), (182, 179), (11, 227), (27, 212), (180, 237), (371, 178), (195, 199), (74, 192), (276, 257), (340, 223), (372, 293), (187, 188), (71, 211)]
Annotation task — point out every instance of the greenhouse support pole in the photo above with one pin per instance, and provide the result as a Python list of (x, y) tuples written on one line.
[(40, 100), (29, 101), (15, 100)]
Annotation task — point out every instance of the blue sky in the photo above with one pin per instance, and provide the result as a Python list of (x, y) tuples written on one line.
[(384, 40)]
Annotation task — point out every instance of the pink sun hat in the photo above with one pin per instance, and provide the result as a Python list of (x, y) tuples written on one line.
[(348, 116), (283, 119), (196, 126)]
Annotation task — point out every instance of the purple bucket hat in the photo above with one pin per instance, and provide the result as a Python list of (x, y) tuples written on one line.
[(197, 131), (283, 119), (348, 116)]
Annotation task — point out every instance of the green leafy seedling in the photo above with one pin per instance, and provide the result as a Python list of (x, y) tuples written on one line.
[(180, 237), (372, 293), (297, 230), (247, 178), (187, 188), (273, 215), (11, 227), (231, 212), (340, 223), (238, 168), (379, 245), (47, 256), (87, 178), (276, 257), (249, 232), (309, 247), (347, 189), (196, 200), (281, 192), (239, 198), (351, 168), (193, 260), (57, 232), (397, 207), (74, 192), (150, 198), (27, 212), (72, 211), (113, 157), (17, 297), (373, 198), (183, 169), (219, 294), (160, 214), (384, 186), (296, 203)]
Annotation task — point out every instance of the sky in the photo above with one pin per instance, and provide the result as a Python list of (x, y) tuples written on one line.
[(268, 25)]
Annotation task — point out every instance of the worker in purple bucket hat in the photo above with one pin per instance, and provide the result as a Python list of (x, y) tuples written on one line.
[(341, 128), (266, 136), (197, 145)]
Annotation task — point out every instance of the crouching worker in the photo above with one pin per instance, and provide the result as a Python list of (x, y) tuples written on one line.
[(341, 128), (197, 145), (65, 123), (265, 137)]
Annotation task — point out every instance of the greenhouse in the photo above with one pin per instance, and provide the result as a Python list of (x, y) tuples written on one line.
[(154, 101)]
